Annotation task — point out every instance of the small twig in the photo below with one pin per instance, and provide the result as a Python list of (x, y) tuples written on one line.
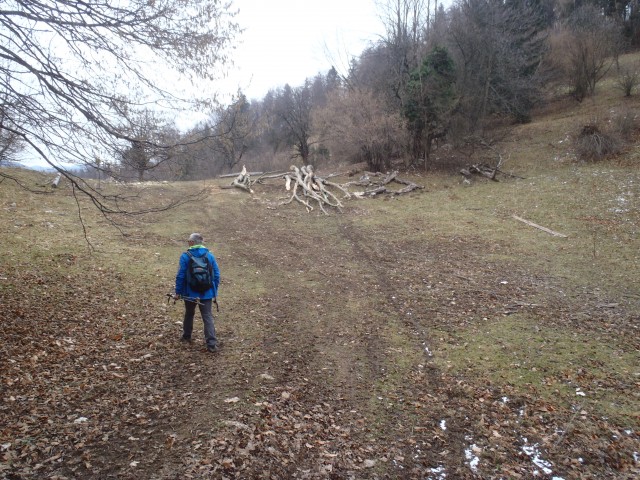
[(569, 424)]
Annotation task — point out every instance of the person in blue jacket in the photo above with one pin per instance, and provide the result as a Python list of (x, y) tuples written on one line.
[(192, 298)]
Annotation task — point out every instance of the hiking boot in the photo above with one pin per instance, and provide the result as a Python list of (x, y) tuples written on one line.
[(186, 340), (213, 349)]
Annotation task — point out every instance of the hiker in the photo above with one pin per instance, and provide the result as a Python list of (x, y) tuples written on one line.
[(197, 284)]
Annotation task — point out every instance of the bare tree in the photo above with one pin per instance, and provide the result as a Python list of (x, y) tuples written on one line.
[(293, 108), (75, 73), (234, 128), (147, 148), (406, 23), (590, 44), (497, 48), (10, 143), (358, 125)]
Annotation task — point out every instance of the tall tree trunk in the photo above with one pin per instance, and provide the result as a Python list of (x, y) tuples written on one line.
[(485, 93)]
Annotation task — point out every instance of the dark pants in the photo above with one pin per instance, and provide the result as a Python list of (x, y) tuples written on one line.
[(207, 319)]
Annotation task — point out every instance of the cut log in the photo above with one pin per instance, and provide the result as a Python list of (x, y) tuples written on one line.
[(229, 175), (375, 191), (485, 171), (243, 181), (56, 181)]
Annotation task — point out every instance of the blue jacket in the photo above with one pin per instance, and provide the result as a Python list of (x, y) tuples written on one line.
[(182, 287)]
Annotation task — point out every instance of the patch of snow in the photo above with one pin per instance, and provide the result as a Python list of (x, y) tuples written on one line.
[(440, 473), (472, 458), (534, 452), (443, 424)]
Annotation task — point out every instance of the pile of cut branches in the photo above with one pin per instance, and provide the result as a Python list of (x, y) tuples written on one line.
[(311, 190), (374, 187), (484, 170)]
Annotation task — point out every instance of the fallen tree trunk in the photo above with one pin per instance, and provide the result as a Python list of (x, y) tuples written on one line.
[(539, 227), (480, 169), (381, 186), (229, 175)]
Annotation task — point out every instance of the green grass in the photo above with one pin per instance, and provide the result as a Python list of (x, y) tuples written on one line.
[(556, 363)]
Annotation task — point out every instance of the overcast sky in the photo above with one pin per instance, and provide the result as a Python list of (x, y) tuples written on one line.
[(286, 41)]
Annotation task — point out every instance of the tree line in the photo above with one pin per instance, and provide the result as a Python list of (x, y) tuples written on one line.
[(433, 76)]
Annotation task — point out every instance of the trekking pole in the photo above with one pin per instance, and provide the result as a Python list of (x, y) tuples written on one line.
[(170, 296), (175, 297)]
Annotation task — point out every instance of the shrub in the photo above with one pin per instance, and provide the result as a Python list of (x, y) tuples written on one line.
[(627, 81), (624, 123), (593, 144)]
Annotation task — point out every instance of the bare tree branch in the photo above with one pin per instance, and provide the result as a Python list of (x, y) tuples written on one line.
[(75, 75)]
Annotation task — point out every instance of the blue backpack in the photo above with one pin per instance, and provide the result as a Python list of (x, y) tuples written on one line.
[(199, 273)]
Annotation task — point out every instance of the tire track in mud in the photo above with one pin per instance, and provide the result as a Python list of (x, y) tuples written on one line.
[(326, 349), (423, 394), (310, 337)]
